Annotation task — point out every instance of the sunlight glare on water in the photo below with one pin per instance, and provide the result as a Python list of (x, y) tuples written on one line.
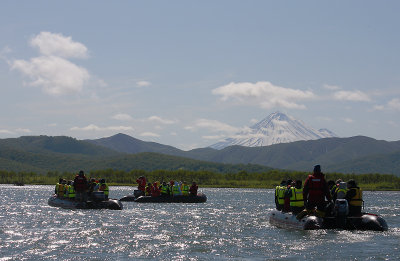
[(232, 224)]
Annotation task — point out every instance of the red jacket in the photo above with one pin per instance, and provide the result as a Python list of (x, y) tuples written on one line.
[(316, 189), (155, 191), (141, 184), (80, 183)]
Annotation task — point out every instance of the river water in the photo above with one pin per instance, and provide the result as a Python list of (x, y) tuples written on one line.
[(233, 224)]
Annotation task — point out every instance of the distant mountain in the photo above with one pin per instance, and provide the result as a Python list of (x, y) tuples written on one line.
[(357, 154), (276, 128), (43, 154), (124, 143)]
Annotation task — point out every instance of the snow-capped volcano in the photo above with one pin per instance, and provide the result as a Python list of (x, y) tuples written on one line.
[(276, 128)]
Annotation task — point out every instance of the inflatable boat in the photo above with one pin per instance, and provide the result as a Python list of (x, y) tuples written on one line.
[(113, 204), (365, 221), (200, 198)]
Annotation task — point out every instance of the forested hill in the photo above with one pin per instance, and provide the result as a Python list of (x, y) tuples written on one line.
[(42, 154), (357, 154)]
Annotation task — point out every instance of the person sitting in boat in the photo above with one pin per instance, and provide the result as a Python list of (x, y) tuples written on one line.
[(142, 185), (57, 186), (164, 189), (354, 198), (60, 192), (296, 198), (103, 186), (71, 190), (331, 186), (193, 189), (340, 192), (185, 189), (80, 186), (66, 189), (314, 192), (286, 198), (92, 186), (176, 189), (148, 189), (280, 195), (155, 190)]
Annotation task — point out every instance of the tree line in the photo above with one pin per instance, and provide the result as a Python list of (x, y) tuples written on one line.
[(243, 179)]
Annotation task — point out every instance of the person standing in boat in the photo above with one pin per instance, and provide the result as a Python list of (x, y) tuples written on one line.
[(193, 189), (142, 185), (81, 186), (314, 192), (354, 198)]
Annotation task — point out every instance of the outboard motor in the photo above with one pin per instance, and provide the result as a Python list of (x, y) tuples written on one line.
[(341, 212)]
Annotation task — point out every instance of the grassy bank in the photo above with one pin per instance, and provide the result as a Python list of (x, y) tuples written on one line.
[(241, 179)]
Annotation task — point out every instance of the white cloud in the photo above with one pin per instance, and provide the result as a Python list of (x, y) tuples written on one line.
[(351, 96), (93, 127), (264, 94), (160, 120), (55, 75), (52, 71), (378, 108), (149, 134), (50, 44), (214, 137), (122, 117), (213, 125), (394, 104), (143, 83)]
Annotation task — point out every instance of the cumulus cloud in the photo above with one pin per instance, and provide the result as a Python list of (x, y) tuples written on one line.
[(348, 120), (160, 120), (3, 131), (23, 130), (52, 71), (51, 44), (143, 83), (351, 96), (55, 75), (264, 94), (331, 87), (122, 117), (93, 127)]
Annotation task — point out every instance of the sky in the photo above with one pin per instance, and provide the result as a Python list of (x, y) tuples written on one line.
[(190, 73)]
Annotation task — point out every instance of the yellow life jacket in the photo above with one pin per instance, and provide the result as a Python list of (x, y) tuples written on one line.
[(60, 191), (296, 199), (164, 189), (104, 187), (357, 199), (175, 190), (66, 191), (281, 194), (185, 190), (71, 191)]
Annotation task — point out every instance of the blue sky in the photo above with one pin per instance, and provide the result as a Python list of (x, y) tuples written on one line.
[(189, 73)]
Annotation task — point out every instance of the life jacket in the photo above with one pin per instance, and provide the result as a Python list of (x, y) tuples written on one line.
[(185, 190), (357, 199), (155, 191), (66, 190), (341, 190), (296, 199), (148, 190), (315, 185), (176, 190), (60, 192), (80, 183), (281, 194), (164, 189), (104, 187), (71, 192), (141, 184)]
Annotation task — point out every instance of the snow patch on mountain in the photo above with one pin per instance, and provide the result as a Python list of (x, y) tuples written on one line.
[(276, 128)]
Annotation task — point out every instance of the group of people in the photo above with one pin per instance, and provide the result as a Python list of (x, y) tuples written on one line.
[(317, 195), (80, 189), (164, 189)]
